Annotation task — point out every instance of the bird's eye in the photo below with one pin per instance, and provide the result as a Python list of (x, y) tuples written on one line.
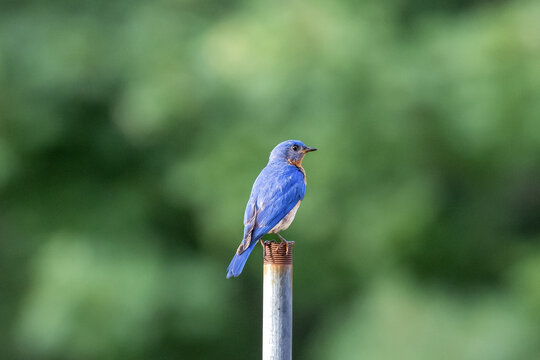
[(295, 147)]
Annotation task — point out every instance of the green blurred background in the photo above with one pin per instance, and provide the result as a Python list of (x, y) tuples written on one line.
[(131, 133)]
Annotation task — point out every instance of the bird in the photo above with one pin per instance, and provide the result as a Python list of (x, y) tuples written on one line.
[(275, 197)]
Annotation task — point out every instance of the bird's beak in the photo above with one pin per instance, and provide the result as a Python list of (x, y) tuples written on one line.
[(308, 149)]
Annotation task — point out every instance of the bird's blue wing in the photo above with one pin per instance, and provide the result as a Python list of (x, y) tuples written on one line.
[(249, 221), (277, 198), (275, 193)]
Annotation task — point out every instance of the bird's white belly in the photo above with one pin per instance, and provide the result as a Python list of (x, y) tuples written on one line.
[(284, 223)]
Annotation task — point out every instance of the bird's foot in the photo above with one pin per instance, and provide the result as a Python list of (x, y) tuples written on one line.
[(284, 242), (264, 247)]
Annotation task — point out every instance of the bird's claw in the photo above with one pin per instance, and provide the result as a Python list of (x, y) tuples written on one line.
[(264, 247), (283, 241)]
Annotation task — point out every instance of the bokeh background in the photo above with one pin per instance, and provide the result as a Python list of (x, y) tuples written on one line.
[(131, 133)]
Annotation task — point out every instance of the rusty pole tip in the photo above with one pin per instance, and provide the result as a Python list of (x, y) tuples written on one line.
[(277, 253)]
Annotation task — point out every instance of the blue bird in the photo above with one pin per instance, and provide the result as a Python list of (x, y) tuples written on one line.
[(274, 200)]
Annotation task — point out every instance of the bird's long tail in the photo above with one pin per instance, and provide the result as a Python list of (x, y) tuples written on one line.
[(238, 261)]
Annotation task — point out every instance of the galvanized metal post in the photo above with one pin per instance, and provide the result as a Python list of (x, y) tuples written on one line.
[(277, 301)]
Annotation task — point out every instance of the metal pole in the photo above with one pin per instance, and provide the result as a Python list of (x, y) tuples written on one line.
[(277, 301)]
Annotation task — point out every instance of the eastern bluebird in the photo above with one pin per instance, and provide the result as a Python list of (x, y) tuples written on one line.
[(274, 200)]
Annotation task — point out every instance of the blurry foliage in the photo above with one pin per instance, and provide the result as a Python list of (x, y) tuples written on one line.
[(418, 324), (131, 132)]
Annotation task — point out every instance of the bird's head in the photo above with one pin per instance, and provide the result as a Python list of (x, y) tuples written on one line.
[(292, 151)]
